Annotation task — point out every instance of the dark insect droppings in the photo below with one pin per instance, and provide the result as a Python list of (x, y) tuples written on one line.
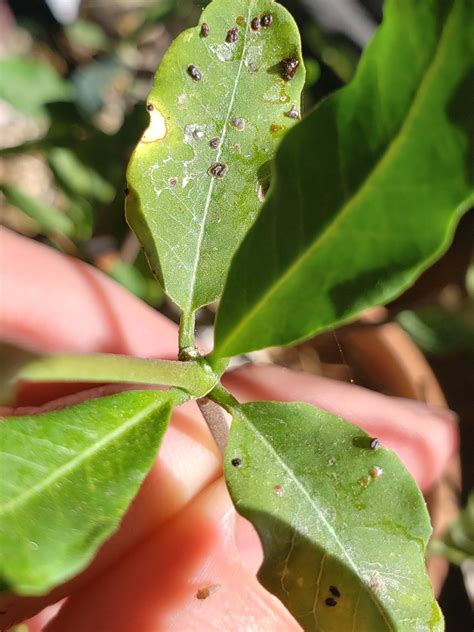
[(150, 107), (237, 462), (330, 601), (232, 35), (334, 591), (289, 67), (214, 143), (255, 24), (374, 444), (127, 191), (194, 73), (205, 30), (266, 20)]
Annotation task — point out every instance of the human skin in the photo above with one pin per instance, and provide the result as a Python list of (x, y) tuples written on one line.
[(181, 533)]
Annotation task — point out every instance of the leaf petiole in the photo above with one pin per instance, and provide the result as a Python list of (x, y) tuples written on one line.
[(193, 376)]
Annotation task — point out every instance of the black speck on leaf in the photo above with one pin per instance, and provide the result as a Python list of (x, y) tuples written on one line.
[(150, 107), (330, 601), (334, 591), (236, 462), (205, 30), (374, 444), (266, 20), (194, 73)]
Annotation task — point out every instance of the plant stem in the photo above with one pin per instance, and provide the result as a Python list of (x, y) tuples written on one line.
[(109, 368), (221, 396), (216, 422), (187, 342)]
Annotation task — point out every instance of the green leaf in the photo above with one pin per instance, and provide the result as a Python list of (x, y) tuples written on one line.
[(48, 218), (368, 188), (343, 527), (77, 177), (28, 84), (438, 331), (67, 478), (227, 124), (84, 34)]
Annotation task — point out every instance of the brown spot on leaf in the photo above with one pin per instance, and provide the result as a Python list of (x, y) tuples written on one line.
[(289, 67), (293, 113), (279, 490), (375, 472), (214, 143), (205, 30), (218, 170), (266, 20), (274, 128), (238, 123), (232, 35), (256, 24), (173, 181), (150, 107)]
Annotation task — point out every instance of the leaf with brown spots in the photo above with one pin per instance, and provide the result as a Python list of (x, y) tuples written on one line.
[(342, 556), (195, 177)]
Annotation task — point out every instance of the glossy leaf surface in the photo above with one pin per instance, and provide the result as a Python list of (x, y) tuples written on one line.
[(343, 526), (218, 108), (67, 478), (368, 188)]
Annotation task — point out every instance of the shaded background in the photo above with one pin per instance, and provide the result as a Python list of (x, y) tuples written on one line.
[(73, 80)]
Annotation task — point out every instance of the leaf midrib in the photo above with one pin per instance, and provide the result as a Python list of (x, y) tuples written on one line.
[(76, 462), (391, 150), (276, 457), (212, 183)]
